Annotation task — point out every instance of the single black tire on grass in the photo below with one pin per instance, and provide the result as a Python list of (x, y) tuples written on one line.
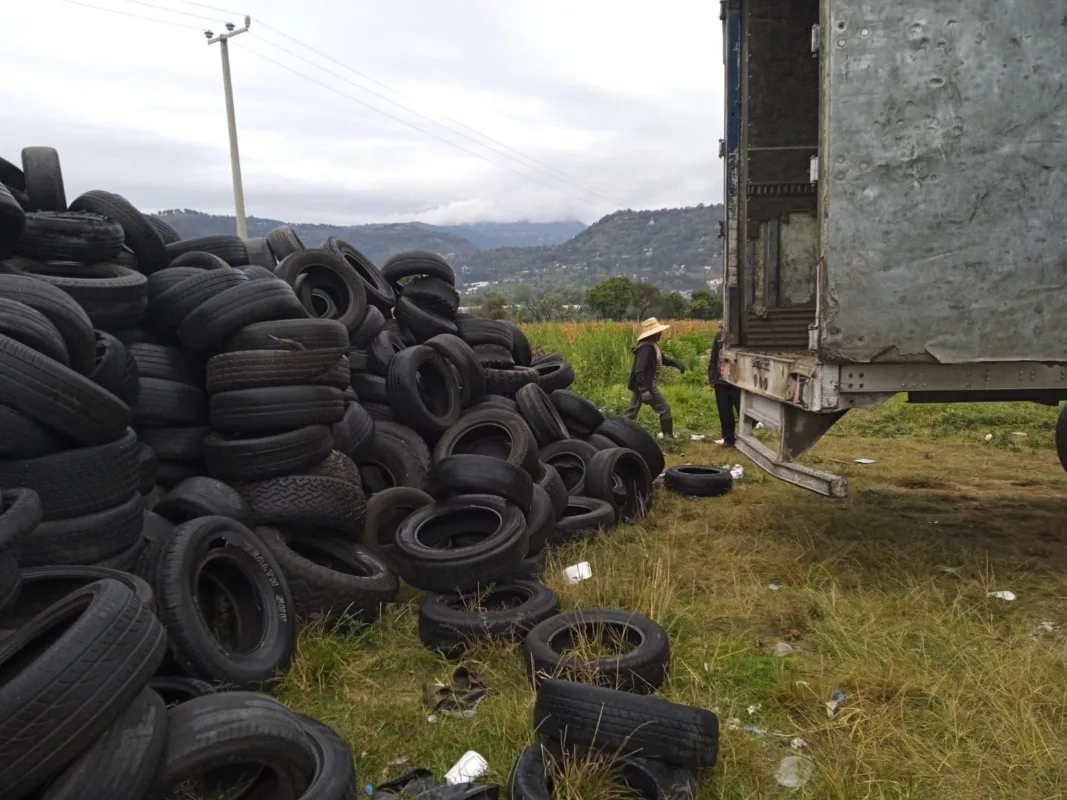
[(276, 408), (213, 570), (385, 511), (235, 744), (698, 481), (121, 763), (62, 311), (82, 481), (641, 669), (621, 478), (622, 723), (627, 433), (138, 232), (461, 545), (583, 516), (70, 673), (254, 458), (319, 501), (204, 497), (332, 577), (43, 179), (450, 623), (541, 764), (475, 474), (490, 431)]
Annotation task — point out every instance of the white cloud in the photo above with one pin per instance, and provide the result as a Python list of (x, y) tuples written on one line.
[(624, 97)]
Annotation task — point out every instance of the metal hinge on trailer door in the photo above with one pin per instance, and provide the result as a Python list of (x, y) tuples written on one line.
[(815, 40)]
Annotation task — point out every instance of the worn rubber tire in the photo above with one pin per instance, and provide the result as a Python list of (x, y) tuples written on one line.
[(476, 330), (121, 763), (77, 482), (520, 345), (259, 253), (544, 420), (697, 481), (10, 586), (335, 578), (176, 443), (159, 282), (553, 377), (76, 667), (622, 723), (204, 497), (335, 772), (290, 334), (43, 586), (138, 232), (42, 179), (22, 437), (253, 458), (621, 478), (417, 264), (69, 236), (370, 326), (283, 242), (548, 650), (116, 369), (409, 437), (494, 356), (580, 416), (355, 432), (490, 431), (319, 501), (170, 403), (1061, 436), (328, 272), (385, 511), (541, 521), (475, 474), (215, 320), (32, 328), (488, 541), (386, 462), (601, 442), (165, 230), (432, 294), (230, 249), (549, 480), (423, 391), (175, 689), (215, 733), (582, 517), (276, 408), (258, 369), (507, 382), (626, 433), (174, 304), (85, 539), (62, 311), (469, 370), (422, 323), (265, 603), (451, 623), (379, 292), (570, 458)]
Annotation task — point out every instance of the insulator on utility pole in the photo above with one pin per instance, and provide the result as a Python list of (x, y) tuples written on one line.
[(231, 120)]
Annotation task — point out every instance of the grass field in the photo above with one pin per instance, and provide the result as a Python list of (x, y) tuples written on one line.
[(948, 693)]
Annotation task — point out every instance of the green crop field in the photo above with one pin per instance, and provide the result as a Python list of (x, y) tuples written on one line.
[(948, 693)]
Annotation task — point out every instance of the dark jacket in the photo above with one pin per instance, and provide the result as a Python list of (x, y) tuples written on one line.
[(714, 370), (643, 373)]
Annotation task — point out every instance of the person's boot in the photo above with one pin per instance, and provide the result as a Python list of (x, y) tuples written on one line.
[(666, 427)]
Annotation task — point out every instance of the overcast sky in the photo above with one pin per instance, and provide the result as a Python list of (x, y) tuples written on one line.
[(623, 97)]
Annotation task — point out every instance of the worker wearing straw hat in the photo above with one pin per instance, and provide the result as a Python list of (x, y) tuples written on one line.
[(647, 359)]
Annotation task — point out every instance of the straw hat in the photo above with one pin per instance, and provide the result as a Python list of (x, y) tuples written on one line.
[(650, 327)]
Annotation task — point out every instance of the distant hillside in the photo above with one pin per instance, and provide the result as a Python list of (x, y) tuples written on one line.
[(488, 235), (671, 248)]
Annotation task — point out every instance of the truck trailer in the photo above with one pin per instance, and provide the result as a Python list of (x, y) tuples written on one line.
[(896, 211)]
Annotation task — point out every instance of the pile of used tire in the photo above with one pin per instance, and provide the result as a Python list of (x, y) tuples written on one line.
[(204, 442)]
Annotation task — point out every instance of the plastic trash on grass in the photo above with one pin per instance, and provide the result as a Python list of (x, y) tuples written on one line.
[(1003, 594), (794, 771), (576, 573), (468, 769)]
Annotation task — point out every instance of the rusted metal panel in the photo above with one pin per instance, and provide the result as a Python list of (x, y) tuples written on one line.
[(943, 181)]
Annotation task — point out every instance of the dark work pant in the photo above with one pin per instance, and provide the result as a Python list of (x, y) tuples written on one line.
[(654, 397), (728, 402)]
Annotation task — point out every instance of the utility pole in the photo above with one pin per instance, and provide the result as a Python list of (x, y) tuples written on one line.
[(231, 119)]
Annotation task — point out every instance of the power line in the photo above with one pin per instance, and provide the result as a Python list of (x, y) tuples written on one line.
[(131, 14), (401, 120), (212, 8), (540, 165), (172, 10)]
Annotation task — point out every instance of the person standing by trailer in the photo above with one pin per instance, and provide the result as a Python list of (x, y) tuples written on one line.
[(727, 396), (647, 359)]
